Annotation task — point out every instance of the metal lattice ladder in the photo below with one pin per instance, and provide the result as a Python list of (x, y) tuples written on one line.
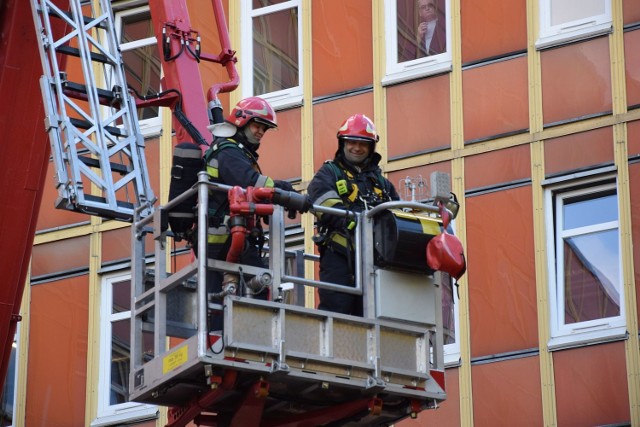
[(96, 144)]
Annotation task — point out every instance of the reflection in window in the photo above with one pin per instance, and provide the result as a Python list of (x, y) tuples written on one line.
[(271, 48), (586, 268), (115, 353), (7, 400), (569, 20), (140, 54), (275, 51), (421, 27), (449, 295)]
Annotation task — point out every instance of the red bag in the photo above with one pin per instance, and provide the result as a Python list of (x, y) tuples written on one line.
[(444, 251)]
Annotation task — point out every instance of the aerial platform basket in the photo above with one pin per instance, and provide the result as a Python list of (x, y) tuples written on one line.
[(283, 364)]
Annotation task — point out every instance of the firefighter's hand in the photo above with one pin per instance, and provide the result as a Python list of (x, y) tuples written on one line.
[(284, 185), (336, 222)]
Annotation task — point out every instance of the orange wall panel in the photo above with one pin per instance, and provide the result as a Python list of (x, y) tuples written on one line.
[(342, 53), (632, 66), (634, 181), (500, 273), (578, 151), (492, 28), (497, 167), (495, 99), (419, 117), (56, 378), (61, 255), (576, 80), (448, 412), (398, 179), (507, 393), (591, 385), (630, 11), (280, 149), (633, 138), (329, 116), (49, 216)]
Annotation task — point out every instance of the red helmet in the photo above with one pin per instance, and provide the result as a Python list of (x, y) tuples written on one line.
[(253, 108), (360, 127)]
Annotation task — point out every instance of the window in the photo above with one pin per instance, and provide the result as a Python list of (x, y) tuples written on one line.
[(585, 267), (115, 315), (567, 20), (141, 60), (450, 320), (8, 396), (271, 51), (418, 38)]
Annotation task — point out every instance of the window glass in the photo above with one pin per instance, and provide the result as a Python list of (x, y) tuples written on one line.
[(141, 60), (115, 343), (418, 38), (568, 20), (271, 62), (586, 278)]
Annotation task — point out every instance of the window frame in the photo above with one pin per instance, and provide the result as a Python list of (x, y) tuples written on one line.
[(280, 99), (12, 371), (552, 35), (587, 332), (396, 72), (152, 126), (108, 414), (452, 351)]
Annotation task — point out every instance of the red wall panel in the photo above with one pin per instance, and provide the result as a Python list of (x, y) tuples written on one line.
[(591, 385), (634, 182), (632, 66), (578, 151), (419, 117), (633, 138), (492, 28), (500, 272), (61, 255), (56, 378), (507, 393), (631, 11), (280, 149), (576, 80), (342, 54), (497, 167), (495, 99)]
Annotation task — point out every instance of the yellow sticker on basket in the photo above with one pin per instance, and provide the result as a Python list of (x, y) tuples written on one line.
[(172, 360)]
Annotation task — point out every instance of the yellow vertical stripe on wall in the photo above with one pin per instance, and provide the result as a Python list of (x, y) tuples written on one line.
[(23, 356), (547, 381), (457, 172), (379, 92), (306, 139), (235, 31), (620, 137)]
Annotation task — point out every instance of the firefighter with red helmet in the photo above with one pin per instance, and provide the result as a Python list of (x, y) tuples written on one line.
[(233, 161), (352, 181)]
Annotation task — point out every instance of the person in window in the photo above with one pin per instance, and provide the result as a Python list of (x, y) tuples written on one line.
[(352, 181), (233, 161), (432, 32)]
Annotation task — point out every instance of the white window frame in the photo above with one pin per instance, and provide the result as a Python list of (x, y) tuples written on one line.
[(14, 373), (577, 29), (398, 72), (452, 351), (124, 412), (282, 98), (587, 332), (153, 126)]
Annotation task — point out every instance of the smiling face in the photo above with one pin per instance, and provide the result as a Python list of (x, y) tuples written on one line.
[(356, 151), (258, 129)]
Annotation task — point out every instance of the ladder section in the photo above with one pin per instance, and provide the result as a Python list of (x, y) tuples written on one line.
[(91, 119)]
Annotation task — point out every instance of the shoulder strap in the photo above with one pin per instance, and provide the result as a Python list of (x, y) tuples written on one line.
[(215, 148)]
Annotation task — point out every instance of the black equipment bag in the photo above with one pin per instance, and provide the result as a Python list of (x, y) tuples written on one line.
[(187, 162)]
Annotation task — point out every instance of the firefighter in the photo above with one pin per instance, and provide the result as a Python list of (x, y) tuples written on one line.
[(233, 161), (352, 181)]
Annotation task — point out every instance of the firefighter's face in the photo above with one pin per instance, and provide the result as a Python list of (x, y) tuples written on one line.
[(258, 129), (356, 151)]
